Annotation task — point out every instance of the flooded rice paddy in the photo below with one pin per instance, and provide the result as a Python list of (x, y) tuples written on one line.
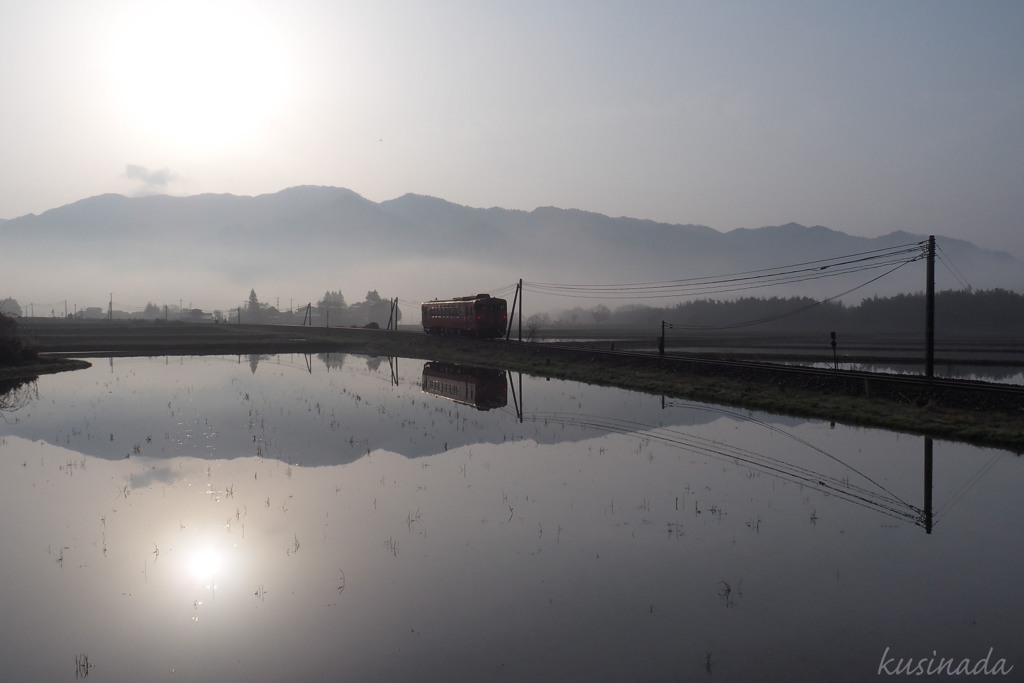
[(349, 518)]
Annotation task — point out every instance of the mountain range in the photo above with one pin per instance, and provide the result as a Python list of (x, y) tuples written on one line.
[(211, 250)]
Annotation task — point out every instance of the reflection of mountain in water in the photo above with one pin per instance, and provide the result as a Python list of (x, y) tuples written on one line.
[(482, 388), (216, 407), (305, 414)]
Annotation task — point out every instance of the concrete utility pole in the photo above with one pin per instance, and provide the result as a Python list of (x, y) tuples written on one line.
[(929, 331)]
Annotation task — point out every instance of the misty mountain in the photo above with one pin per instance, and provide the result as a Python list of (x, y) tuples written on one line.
[(304, 240)]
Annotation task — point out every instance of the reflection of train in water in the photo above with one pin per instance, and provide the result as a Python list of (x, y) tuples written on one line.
[(481, 315), (482, 388)]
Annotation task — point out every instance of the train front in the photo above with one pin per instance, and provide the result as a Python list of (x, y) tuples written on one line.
[(491, 316)]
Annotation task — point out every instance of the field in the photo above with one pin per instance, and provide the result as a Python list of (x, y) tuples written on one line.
[(975, 417)]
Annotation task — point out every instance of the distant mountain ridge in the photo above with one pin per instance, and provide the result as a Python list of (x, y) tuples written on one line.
[(303, 240)]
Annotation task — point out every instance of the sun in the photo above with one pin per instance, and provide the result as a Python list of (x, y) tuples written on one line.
[(200, 74)]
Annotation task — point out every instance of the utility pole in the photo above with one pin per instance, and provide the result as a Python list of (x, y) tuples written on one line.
[(393, 315), (511, 314), (520, 309), (929, 332)]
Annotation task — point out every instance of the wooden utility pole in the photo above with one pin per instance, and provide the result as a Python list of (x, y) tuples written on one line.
[(929, 331), (393, 315)]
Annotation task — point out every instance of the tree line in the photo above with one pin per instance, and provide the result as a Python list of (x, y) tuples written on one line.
[(987, 311), (330, 310)]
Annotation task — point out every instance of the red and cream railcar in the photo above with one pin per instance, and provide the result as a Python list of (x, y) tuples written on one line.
[(481, 316)]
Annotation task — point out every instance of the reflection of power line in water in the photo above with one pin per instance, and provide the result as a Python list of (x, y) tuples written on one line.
[(804, 442), (881, 500), (966, 488)]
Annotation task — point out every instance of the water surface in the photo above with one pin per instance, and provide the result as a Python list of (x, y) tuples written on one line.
[(349, 518)]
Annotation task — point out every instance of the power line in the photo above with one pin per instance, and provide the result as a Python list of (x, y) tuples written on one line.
[(954, 271), (755, 279), (780, 316)]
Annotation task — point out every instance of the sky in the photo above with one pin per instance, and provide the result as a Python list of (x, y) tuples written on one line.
[(865, 117)]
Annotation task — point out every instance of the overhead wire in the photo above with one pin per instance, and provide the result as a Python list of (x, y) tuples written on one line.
[(995, 317), (499, 292), (781, 316), (755, 279), (944, 258)]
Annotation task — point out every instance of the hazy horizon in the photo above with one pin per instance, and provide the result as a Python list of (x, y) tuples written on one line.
[(290, 247)]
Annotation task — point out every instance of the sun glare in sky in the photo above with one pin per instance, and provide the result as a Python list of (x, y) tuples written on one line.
[(865, 117), (206, 564), (197, 74)]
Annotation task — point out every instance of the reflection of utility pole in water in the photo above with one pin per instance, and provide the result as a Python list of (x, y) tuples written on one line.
[(516, 400), (928, 484), (393, 362)]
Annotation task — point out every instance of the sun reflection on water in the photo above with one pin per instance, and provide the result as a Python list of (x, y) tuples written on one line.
[(206, 564)]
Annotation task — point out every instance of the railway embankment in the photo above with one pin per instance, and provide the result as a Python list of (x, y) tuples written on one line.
[(983, 413)]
